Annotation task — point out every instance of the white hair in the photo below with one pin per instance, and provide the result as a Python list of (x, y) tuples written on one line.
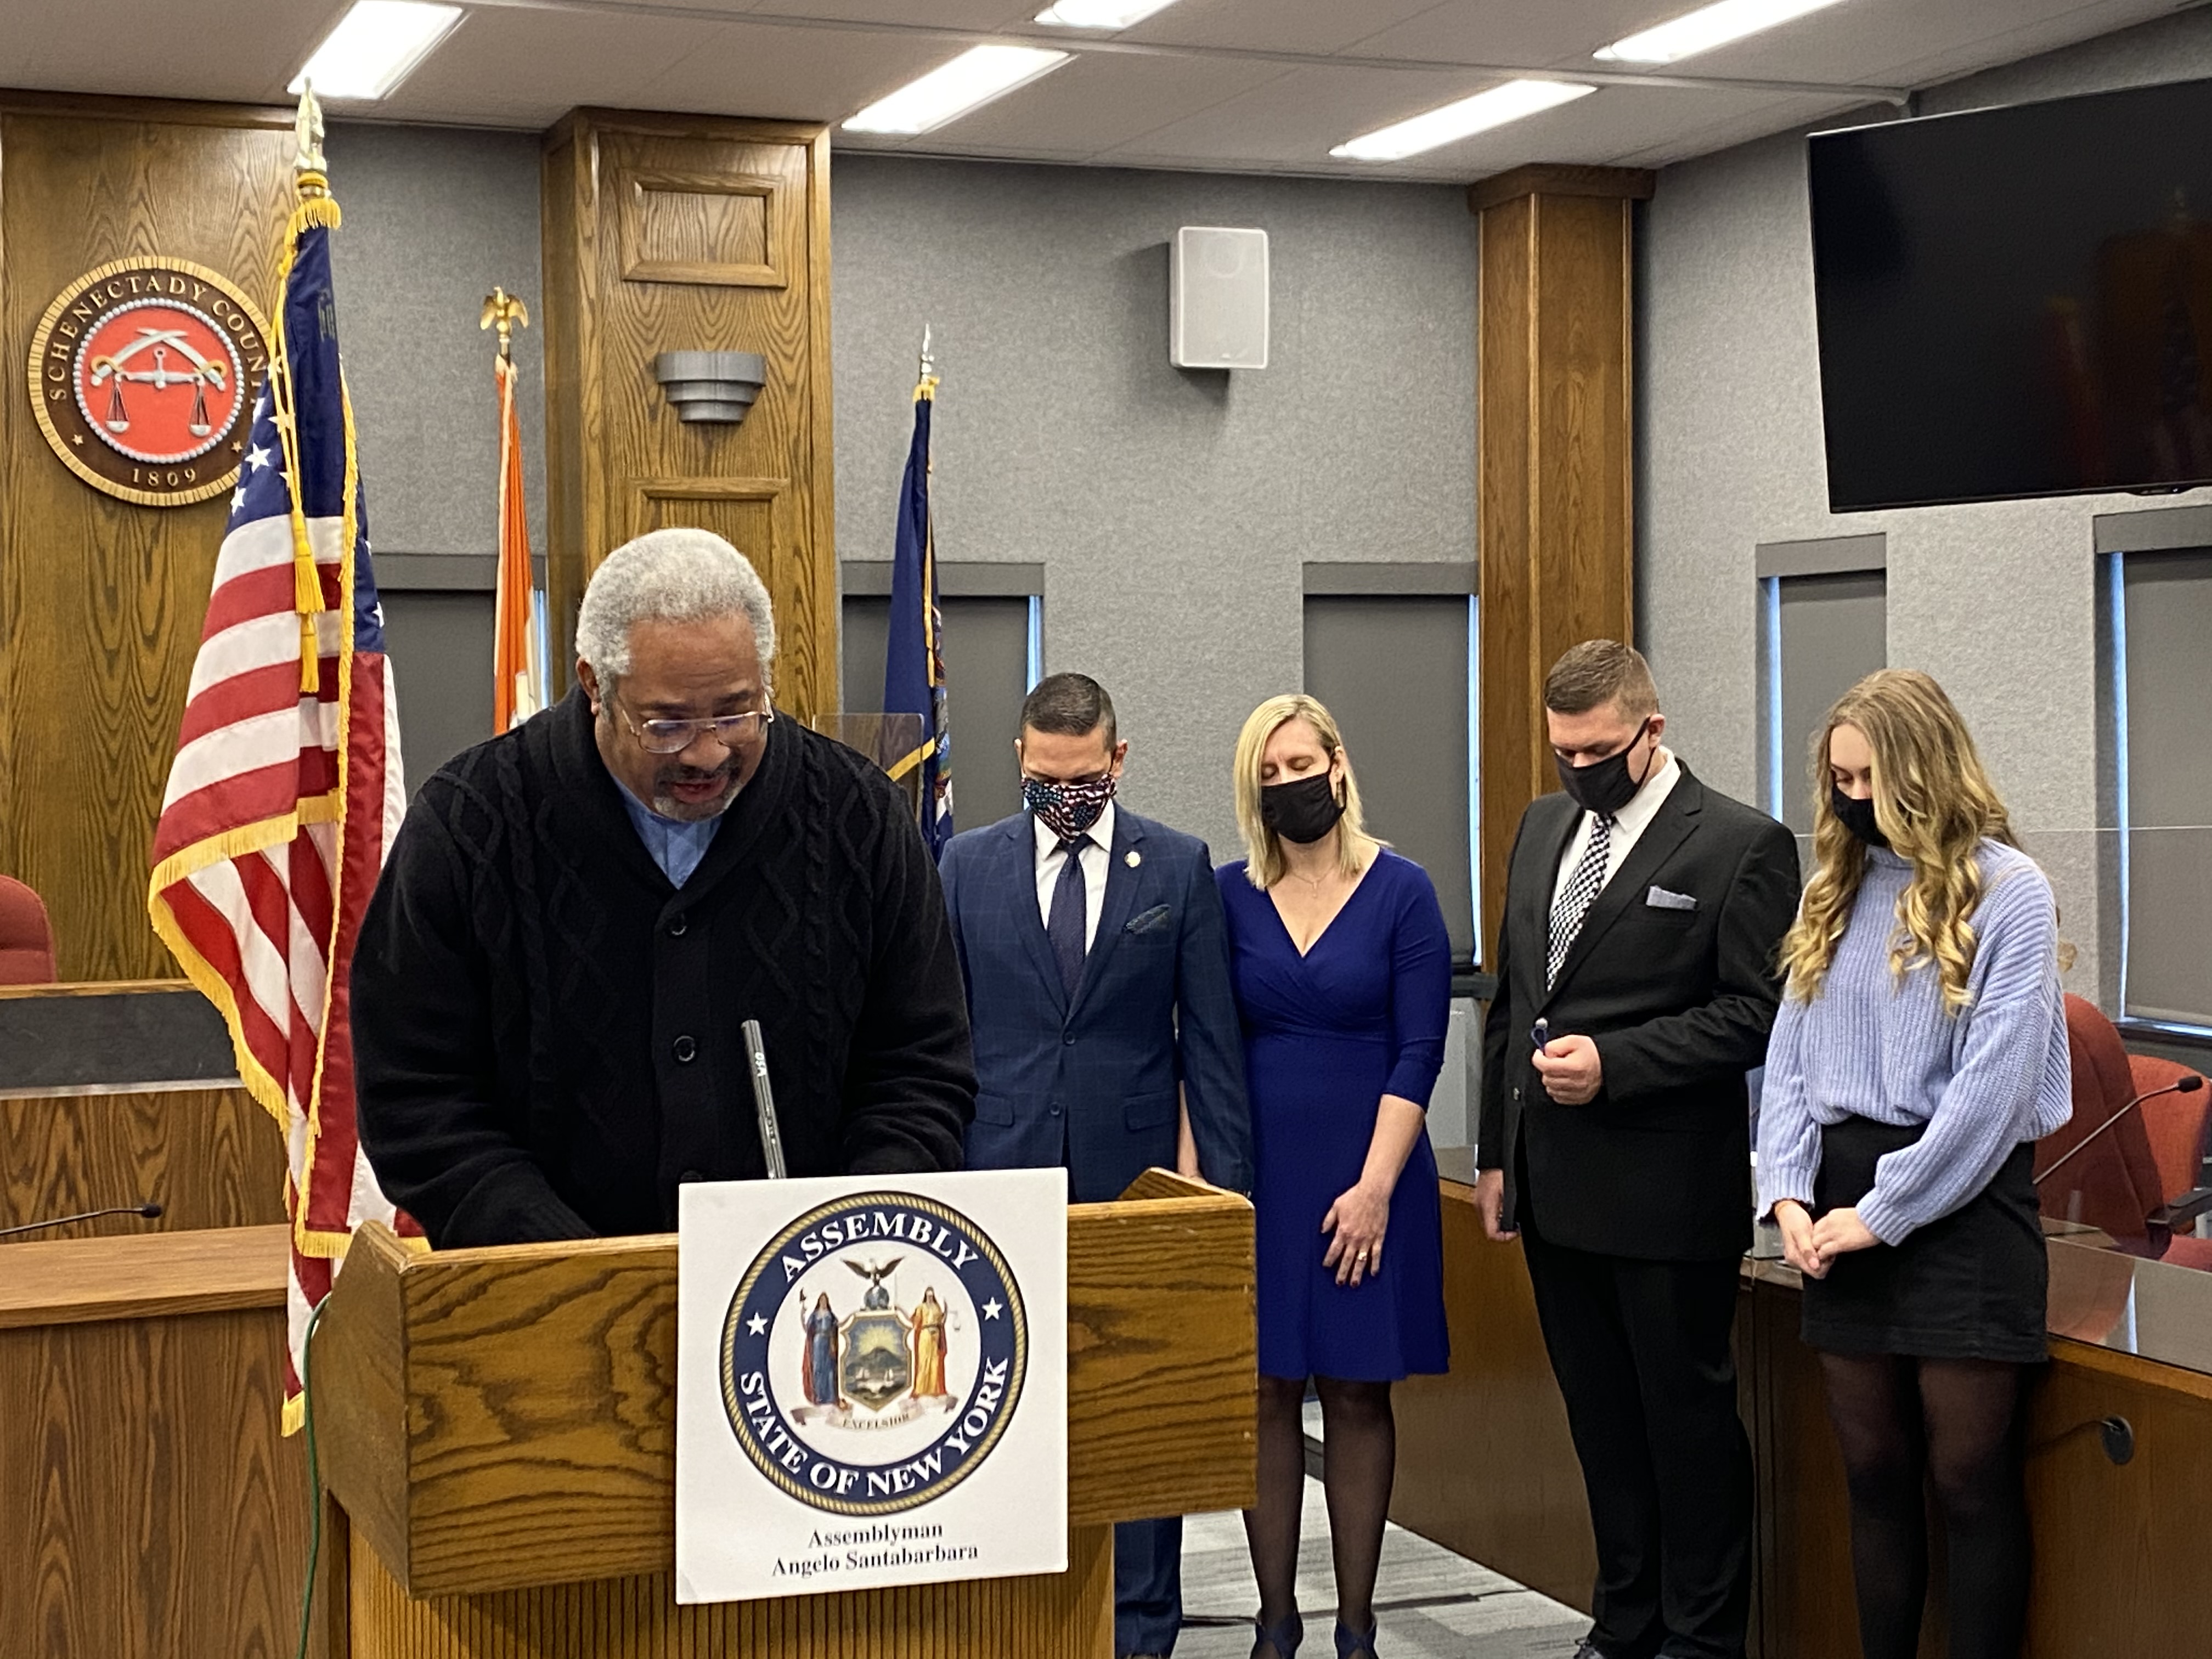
[(669, 575)]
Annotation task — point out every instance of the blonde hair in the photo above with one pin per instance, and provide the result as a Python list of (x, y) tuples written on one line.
[(1934, 802), (1263, 848)]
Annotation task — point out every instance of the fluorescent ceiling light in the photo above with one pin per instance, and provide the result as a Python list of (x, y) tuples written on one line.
[(1485, 110), (1706, 27), (375, 47), (1100, 14), (974, 78)]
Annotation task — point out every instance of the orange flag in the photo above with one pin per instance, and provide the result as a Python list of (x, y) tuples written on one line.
[(518, 660)]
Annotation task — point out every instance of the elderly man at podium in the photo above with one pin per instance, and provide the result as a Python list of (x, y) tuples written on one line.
[(580, 914)]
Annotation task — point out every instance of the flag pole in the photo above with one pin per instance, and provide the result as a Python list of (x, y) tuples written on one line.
[(519, 658), (314, 206)]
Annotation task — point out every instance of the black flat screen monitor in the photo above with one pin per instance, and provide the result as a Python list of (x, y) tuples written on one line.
[(2017, 302)]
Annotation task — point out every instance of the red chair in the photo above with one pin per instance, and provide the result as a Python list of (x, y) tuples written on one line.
[(2119, 1182), (27, 937), (2177, 1125)]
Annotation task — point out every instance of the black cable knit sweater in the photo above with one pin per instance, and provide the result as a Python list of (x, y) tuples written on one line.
[(546, 1032)]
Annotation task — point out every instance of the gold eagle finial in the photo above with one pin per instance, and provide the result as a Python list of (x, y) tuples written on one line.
[(504, 312), (307, 134)]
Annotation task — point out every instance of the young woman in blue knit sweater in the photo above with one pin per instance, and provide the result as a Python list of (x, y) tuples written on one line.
[(1920, 1052)]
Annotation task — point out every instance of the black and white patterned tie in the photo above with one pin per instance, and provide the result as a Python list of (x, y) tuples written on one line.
[(1582, 889)]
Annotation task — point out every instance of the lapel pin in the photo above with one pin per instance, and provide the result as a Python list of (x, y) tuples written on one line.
[(1134, 857)]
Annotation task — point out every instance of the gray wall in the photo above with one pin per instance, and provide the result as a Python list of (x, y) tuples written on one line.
[(1172, 510), (1997, 601), (435, 217)]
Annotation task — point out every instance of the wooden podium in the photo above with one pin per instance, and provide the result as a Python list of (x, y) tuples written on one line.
[(497, 1434)]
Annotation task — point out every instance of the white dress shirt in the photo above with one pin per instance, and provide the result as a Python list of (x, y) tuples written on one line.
[(1628, 826), (1094, 858)]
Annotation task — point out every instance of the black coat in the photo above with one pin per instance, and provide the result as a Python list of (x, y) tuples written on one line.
[(546, 1032), (1658, 1166)]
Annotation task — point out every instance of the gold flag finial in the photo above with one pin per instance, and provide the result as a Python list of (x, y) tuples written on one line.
[(308, 167), (503, 310)]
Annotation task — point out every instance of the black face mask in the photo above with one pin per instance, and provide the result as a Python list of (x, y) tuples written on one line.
[(1857, 816), (1606, 786), (1303, 810)]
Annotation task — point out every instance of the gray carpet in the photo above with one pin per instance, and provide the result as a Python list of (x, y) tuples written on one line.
[(1431, 1603)]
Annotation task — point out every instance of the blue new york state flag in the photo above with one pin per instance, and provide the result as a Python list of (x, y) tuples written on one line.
[(913, 660)]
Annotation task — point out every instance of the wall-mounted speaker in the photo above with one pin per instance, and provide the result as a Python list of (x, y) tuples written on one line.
[(1218, 298)]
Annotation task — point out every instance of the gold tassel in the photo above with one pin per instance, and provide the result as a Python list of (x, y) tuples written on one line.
[(307, 595), (313, 209)]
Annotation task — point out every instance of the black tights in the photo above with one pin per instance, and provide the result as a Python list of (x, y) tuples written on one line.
[(1902, 1425), (1360, 1456)]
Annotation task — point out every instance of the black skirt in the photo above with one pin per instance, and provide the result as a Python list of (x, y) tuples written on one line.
[(1973, 1285)]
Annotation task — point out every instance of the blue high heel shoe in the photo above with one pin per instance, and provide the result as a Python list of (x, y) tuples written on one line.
[(1349, 1646), (1279, 1641)]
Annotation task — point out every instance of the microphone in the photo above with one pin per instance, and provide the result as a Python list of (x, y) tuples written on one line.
[(771, 1136), (151, 1212), (2187, 1084)]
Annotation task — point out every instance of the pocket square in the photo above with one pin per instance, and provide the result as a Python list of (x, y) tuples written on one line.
[(1151, 922), (1660, 899)]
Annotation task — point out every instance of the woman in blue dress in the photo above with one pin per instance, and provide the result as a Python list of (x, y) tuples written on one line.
[(1343, 977), (821, 1328)]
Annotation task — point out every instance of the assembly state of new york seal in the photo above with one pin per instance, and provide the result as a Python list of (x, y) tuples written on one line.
[(142, 374), (874, 1353)]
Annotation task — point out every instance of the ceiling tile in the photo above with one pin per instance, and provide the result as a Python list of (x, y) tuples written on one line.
[(928, 144), (1094, 104), (527, 68), (1317, 26), (940, 14), (1753, 118), (1297, 117), (1538, 36), (512, 66), (1909, 57), (1897, 42), (937, 13), (1604, 129), (785, 74), (243, 53)]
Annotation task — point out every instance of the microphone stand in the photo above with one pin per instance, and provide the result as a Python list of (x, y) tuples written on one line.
[(2188, 1085), (150, 1211)]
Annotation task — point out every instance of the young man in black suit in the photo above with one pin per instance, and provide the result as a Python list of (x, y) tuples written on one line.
[(1636, 987)]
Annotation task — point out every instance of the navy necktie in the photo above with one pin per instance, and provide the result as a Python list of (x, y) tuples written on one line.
[(1064, 928)]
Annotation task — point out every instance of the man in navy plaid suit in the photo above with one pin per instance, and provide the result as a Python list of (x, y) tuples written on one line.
[(1106, 1034)]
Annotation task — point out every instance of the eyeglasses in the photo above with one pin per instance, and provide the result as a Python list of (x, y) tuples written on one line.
[(671, 737)]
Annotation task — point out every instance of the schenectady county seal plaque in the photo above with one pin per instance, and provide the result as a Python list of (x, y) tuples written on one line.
[(142, 374), (874, 1353)]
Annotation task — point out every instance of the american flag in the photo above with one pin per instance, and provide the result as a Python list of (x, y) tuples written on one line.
[(282, 800)]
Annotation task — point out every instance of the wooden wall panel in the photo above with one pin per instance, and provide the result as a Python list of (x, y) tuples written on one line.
[(101, 601), (666, 233), (211, 1158), (1485, 1466), (152, 1508), (1067, 1615), (1555, 432)]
